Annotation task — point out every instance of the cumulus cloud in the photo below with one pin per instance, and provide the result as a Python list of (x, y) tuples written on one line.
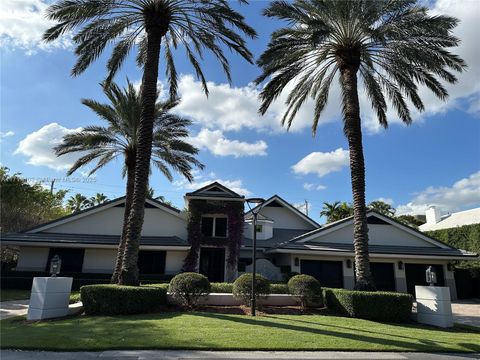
[(219, 145), (322, 163), (389, 201), (6, 134), (22, 24), (310, 187), (202, 180), (462, 194), (38, 147)]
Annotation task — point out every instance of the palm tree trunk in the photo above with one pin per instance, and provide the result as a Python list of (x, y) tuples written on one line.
[(353, 132), (130, 165), (129, 274)]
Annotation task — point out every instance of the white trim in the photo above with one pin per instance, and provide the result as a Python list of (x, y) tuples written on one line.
[(90, 246), (92, 211), (319, 233)]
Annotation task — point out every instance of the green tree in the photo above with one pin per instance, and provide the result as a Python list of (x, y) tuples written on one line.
[(97, 199), (77, 202), (100, 145), (382, 207), (148, 25), (336, 211), (24, 205), (391, 45), (410, 220)]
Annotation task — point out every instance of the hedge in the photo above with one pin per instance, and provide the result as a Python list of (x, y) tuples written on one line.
[(222, 287), (242, 287), (306, 289), (377, 306), (188, 288), (120, 300)]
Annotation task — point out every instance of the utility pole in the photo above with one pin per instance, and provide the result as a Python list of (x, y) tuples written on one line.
[(51, 186), (306, 207)]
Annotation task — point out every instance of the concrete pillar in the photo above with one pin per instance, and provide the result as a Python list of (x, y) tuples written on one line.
[(450, 281), (348, 275), (400, 278)]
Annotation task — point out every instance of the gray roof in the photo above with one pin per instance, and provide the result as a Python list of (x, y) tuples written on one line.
[(279, 236), (377, 249), (88, 239)]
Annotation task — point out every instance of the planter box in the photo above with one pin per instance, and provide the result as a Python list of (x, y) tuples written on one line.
[(227, 299), (434, 306), (49, 297)]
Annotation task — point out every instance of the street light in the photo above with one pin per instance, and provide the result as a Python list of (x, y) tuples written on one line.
[(258, 205), (55, 265)]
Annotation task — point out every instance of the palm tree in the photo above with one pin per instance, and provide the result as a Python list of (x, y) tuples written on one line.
[(382, 207), (103, 144), (77, 203), (336, 211), (98, 199), (197, 26), (392, 45)]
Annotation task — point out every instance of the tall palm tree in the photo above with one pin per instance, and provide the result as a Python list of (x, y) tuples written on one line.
[(196, 26), (336, 211), (97, 199), (100, 145), (392, 45), (77, 203), (382, 207)]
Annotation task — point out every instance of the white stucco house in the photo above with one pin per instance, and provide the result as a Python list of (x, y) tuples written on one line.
[(437, 221), (217, 241)]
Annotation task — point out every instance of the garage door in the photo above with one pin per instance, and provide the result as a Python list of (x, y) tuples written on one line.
[(383, 276), (415, 274), (329, 273)]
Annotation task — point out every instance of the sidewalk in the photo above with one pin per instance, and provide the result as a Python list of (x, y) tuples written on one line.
[(217, 355), (13, 308)]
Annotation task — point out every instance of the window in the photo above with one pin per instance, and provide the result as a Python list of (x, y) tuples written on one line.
[(214, 226), (259, 228), (151, 262), (72, 259)]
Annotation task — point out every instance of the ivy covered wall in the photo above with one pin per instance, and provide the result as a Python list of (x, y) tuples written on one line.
[(234, 212)]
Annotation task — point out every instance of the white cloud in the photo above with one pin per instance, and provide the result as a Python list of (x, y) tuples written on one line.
[(38, 147), (201, 181), (462, 194), (6, 134), (218, 144), (310, 187), (389, 201), (322, 163), (22, 24)]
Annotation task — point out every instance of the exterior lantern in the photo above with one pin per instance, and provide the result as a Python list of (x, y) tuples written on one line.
[(400, 265), (349, 264), (431, 276), (55, 265)]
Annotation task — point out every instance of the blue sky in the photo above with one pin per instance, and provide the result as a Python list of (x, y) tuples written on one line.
[(433, 162)]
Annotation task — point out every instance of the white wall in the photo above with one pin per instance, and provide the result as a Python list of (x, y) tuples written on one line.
[(267, 230), (99, 260), (377, 235), (285, 219), (174, 261), (32, 258), (109, 222)]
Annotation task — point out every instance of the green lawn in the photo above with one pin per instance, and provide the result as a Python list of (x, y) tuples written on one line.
[(200, 330), (15, 294)]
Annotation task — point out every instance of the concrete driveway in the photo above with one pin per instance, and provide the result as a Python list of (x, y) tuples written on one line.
[(466, 312), (13, 308)]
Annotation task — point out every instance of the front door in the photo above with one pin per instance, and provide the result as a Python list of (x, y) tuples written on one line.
[(212, 263)]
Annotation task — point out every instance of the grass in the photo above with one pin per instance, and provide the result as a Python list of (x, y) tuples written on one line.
[(15, 294), (202, 330)]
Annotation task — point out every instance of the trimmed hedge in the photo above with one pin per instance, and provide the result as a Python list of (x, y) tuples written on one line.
[(122, 300), (377, 306), (278, 289), (242, 287), (222, 287), (187, 288), (306, 289)]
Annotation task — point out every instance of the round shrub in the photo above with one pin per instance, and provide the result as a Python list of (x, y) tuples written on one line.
[(118, 300), (187, 288), (242, 287), (306, 289)]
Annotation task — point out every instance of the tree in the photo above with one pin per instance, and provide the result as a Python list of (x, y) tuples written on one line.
[(77, 202), (148, 25), (100, 145), (382, 207), (336, 211), (410, 220), (392, 45), (24, 205), (98, 199)]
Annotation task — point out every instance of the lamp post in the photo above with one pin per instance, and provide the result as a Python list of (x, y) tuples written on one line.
[(258, 205)]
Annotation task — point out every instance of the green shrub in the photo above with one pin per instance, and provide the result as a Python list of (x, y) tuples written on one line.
[(74, 297), (187, 288), (115, 300), (306, 289), (278, 289), (222, 287), (378, 306), (242, 287)]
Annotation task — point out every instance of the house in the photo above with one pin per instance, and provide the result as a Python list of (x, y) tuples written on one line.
[(435, 220), (216, 240)]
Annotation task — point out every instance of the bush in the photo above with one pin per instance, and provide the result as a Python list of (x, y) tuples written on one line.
[(306, 289), (223, 287), (187, 288), (378, 306), (117, 300), (278, 289), (242, 287)]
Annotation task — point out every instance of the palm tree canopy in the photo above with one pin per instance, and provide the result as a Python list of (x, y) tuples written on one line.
[(195, 25), (336, 211), (382, 207), (101, 144), (77, 202), (394, 45)]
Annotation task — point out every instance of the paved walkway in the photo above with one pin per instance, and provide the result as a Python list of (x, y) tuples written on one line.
[(13, 308), (467, 312), (217, 355)]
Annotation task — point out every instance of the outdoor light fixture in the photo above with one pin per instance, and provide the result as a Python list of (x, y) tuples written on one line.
[(55, 265), (400, 265), (349, 264), (449, 266), (431, 276), (296, 261), (258, 206)]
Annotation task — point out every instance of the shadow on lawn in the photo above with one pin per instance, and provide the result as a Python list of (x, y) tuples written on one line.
[(421, 345)]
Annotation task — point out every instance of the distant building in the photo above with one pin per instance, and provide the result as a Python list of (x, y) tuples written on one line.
[(435, 221)]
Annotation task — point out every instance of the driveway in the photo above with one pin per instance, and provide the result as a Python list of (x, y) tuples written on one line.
[(466, 312), (13, 308), (217, 355)]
